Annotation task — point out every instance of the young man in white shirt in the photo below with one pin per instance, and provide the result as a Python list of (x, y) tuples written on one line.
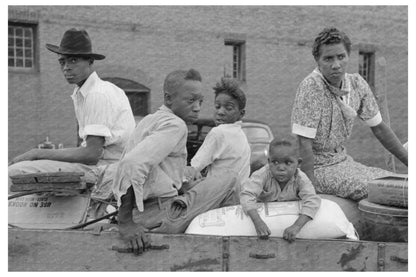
[(102, 110), (148, 179)]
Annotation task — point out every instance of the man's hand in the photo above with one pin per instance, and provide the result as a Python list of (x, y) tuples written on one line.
[(27, 156), (191, 174), (134, 237), (291, 232)]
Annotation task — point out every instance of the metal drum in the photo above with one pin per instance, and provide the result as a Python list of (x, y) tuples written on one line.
[(383, 223)]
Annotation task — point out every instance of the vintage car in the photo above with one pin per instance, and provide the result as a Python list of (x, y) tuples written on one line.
[(258, 133)]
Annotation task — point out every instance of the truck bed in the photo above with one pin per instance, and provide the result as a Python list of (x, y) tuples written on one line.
[(76, 250)]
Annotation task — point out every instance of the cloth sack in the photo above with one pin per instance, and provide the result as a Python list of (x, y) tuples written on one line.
[(329, 222)]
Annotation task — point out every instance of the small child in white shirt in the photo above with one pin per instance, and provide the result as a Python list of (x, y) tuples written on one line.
[(226, 145)]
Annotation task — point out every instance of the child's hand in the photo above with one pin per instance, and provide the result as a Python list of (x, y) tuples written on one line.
[(262, 230), (291, 232)]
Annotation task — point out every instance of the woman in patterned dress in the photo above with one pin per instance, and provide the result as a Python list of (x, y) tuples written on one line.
[(326, 104)]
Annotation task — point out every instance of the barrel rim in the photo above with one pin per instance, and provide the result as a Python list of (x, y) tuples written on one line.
[(370, 207)]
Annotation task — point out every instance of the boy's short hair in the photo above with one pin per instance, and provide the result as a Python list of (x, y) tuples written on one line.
[(176, 78), (330, 36), (231, 87), (290, 140)]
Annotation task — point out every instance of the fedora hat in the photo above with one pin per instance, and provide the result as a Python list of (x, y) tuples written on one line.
[(75, 42)]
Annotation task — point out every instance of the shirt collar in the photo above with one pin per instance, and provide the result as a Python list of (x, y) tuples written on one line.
[(234, 124), (165, 109), (345, 85), (88, 84)]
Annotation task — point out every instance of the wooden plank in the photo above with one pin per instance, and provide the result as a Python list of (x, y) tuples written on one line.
[(310, 255), (35, 250), (53, 250), (56, 177), (46, 179), (57, 173), (23, 180), (48, 186)]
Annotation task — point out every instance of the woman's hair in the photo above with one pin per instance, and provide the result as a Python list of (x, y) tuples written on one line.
[(330, 36), (231, 87)]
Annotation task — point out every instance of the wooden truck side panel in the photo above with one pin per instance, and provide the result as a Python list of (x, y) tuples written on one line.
[(58, 250)]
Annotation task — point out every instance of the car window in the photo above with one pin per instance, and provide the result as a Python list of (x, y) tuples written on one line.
[(192, 132), (256, 133), (204, 132), (196, 132)]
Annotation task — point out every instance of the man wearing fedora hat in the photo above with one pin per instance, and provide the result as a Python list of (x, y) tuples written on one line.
[(102, 110)]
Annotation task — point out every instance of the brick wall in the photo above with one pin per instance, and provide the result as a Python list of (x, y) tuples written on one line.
[(145, 43)]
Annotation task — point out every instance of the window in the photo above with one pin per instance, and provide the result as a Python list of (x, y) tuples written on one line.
[(138, 95), (366, 67), (21, 51), (235, 66)]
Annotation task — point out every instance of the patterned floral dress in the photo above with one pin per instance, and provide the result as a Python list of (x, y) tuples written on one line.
[(326, 114)]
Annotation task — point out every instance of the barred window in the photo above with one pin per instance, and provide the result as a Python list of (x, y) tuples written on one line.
[(235, 68), (21, 51), (366, 67)]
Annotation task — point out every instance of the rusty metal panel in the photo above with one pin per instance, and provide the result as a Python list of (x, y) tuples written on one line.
[(275, 254), (40, 250)]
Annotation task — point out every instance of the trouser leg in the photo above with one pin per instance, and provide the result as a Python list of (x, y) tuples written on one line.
[(210, 193)]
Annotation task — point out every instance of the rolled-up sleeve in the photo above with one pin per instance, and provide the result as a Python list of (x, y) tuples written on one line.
[(135, 166), (310, 200), (251, 189), (307, 109), (368, 111)]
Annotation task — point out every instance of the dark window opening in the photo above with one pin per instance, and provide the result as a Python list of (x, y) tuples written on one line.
[(138, 95), (366, 67), (235, 66)]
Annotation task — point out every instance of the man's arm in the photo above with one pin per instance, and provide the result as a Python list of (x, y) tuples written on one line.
[(306, 153), (390, 141), (133, 234), (89, 155)]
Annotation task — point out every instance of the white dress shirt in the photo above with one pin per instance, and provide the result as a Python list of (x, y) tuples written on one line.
[(103, 109), (154, 159), (225, 147)]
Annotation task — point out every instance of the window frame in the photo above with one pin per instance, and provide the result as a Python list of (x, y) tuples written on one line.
[(238, 70), (35, 48), (366, 64)]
